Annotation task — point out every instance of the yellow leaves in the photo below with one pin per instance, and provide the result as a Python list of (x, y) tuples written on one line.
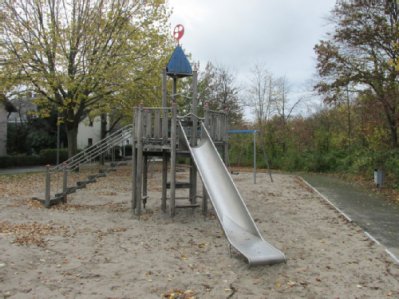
[(179, 294), (202, 245), (21, 185), (31, 233)]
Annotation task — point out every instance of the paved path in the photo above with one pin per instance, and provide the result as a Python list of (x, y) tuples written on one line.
[(377, 216), (17, 170)]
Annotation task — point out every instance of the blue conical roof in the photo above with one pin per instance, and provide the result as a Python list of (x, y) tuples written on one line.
[(178, 65)]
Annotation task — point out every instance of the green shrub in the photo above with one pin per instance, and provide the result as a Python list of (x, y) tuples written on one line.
[(49, 156), (128, 149), (19, 161)]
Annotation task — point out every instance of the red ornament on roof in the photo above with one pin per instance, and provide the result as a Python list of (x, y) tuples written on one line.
[(178, 32)]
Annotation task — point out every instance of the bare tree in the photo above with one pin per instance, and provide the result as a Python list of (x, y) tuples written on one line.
[(261, 94), (281, 101)]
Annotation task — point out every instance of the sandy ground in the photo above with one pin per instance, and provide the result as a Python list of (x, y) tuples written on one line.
[(93, 248)]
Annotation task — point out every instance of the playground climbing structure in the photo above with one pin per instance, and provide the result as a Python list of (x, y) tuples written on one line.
[(162, 132)]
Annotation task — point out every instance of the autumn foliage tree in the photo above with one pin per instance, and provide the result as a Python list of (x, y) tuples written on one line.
[(218, 87), (362, 53), (80, 56)]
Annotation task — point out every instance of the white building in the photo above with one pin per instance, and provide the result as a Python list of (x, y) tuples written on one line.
[(89, 132)]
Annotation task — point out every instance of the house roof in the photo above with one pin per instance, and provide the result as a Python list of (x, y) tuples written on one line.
[(7, 104)]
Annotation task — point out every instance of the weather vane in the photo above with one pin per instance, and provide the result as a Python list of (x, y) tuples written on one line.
[(178, 32)]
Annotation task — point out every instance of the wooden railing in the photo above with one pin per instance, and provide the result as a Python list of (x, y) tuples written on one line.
[(216, 124), (154, 125)]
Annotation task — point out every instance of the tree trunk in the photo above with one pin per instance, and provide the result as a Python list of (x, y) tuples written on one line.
[(103, 133), (103, 125), (72, 135), (391, 117), (393, 127)]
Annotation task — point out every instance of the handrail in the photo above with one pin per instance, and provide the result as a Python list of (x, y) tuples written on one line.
[(96, 149), (154, 108), (190, 114), (217, 112)]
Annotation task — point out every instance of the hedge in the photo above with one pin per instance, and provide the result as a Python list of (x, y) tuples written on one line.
[(46, 156)]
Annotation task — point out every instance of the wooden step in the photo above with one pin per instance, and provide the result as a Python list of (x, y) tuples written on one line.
[(71, 190), (179, 185), (187, 206), (81, 184), (92, 177)]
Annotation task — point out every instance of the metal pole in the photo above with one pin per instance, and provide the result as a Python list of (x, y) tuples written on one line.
[(254, 157)]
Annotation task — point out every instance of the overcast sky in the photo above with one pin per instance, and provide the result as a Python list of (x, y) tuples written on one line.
[(236, 34)]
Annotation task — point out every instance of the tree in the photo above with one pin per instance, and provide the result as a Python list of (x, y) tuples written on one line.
[(217, 86), (281, 101), (363, 52), (261, 94), (82, 56)]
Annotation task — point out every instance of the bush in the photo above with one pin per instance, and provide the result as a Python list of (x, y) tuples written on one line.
[(46, 156), (49, 155), (19, 160), (128, 149)]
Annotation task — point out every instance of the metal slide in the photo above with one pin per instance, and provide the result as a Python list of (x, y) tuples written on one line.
[(237, 223)]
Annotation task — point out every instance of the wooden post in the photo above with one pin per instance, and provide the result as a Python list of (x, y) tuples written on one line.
[(225, 138), (194, 104), (193, 141), (164, 179), (172, 205), (134, 162), (204, 192), (157, 124), (164, 111), (65, 183), (139, 164), (204, 201), (206, 112), (47, 191), (164, 90), (145, 180)]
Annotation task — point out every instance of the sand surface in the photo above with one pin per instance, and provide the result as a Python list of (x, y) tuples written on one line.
[(92, 247)]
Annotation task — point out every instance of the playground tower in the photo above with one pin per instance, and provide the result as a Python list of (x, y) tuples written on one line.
[(160, 132)]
